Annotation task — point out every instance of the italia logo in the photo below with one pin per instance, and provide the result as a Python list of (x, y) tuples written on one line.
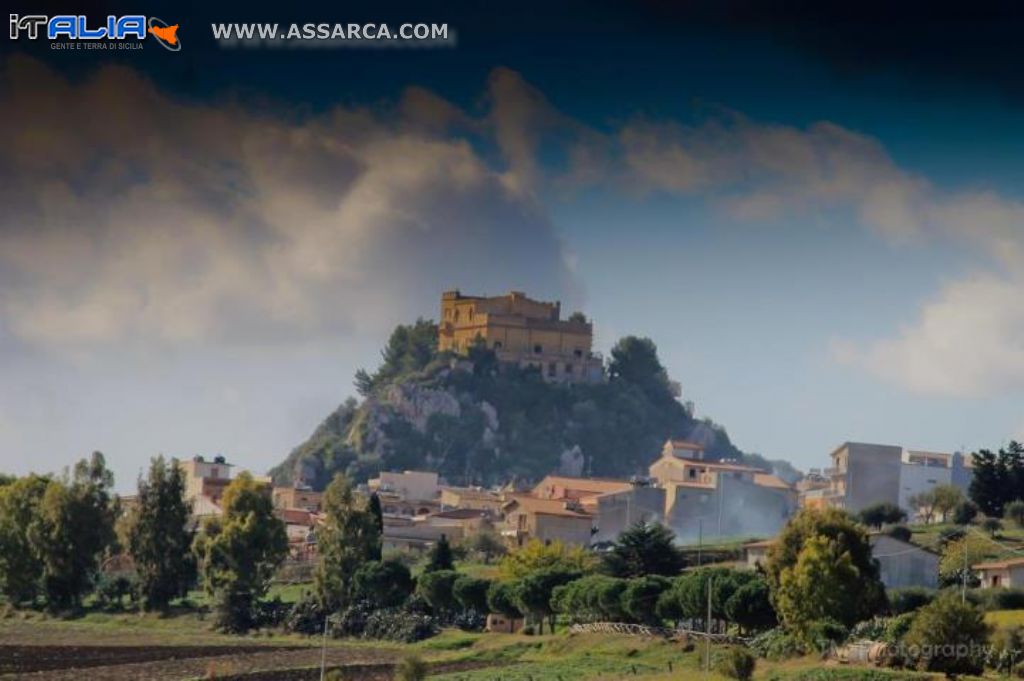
[(78, 27)]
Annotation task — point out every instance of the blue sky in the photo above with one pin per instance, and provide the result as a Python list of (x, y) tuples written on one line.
[(824, 247)]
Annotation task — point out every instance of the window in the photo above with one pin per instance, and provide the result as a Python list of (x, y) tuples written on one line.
[(214, 472), (538, 349), (553, 369), (497, 345), (693, 473), (568, 367), (577, 352)]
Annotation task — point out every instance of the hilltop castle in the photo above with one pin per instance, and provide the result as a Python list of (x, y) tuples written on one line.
[(526, 332)]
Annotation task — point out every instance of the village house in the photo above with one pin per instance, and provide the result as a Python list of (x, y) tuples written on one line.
[(527, 517), (472, 497), (997, 574), (902, 564), (408, 485), (720, 498), (301, 497), (618, 511)]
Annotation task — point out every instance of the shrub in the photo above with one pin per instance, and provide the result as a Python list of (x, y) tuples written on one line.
[(1014, 511), (1005, 652), (900, 532), (1003, 599), (271, 613), (411, 668), (897, 627), (965, 512), (909, 599), (823, 634), (305, 617), (736, 663), (941, 633), (872, 629), (777, 644), (470, 620), (399, 626), (992, 526)]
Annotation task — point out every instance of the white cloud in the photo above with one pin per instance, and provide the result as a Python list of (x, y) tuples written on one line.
[(133, 218), (965, 343)]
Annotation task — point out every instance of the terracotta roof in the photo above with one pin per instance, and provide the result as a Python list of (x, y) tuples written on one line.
[(686, 444), (532, 504), (999, 564), (296, 516), (769, 480), (592, 485), (460, 514)]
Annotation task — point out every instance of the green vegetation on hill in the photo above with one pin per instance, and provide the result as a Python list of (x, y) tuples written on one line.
[(477, 421)]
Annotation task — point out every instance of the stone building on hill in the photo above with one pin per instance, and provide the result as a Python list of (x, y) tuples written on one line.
[(521, 331)]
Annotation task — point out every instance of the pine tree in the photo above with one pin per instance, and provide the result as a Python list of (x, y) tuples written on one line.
[(644, 549), (440, 557), (377, 516), (159, 538), (986, 484), (346, 539)]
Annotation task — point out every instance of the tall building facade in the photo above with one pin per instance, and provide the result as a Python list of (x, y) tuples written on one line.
[(523, 331)]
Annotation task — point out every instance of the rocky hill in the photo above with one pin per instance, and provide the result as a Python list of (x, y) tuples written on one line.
[(477, 421)]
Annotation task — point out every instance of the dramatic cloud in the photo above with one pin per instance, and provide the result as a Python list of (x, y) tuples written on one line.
[(131, 217)]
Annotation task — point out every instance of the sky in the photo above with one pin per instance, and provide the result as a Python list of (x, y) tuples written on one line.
[(815, 214)]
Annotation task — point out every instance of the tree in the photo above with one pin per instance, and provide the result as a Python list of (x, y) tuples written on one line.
[(487, 544), (377, 515), (965, 512), (533, 594), (640, 598), (386, 584), (961, 554), (73, 527), (538, 555), (750, 606), (471, 593), (159, 538), (501, 599), (986, 483), (882, 513), (347, 538), (821, 566), (440, 556), (20, 566), (635, 360), (948, 636), (946, 498), (239, 552), (1014, 511), (736, 663), (992, 525), (409, 349), (437, 589), (817, 587), (924, 504), (644, 549)]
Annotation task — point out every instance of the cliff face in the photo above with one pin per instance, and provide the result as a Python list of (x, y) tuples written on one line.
[(475, 420), (480, 423)]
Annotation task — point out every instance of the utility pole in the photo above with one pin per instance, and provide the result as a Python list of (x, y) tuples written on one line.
[(323, 652), (700, 538), (707, 656), (963, 590)]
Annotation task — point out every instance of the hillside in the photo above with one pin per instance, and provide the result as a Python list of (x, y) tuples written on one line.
[(476, 421)]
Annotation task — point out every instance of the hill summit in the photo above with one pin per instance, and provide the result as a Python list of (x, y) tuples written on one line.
[(477, 418)]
